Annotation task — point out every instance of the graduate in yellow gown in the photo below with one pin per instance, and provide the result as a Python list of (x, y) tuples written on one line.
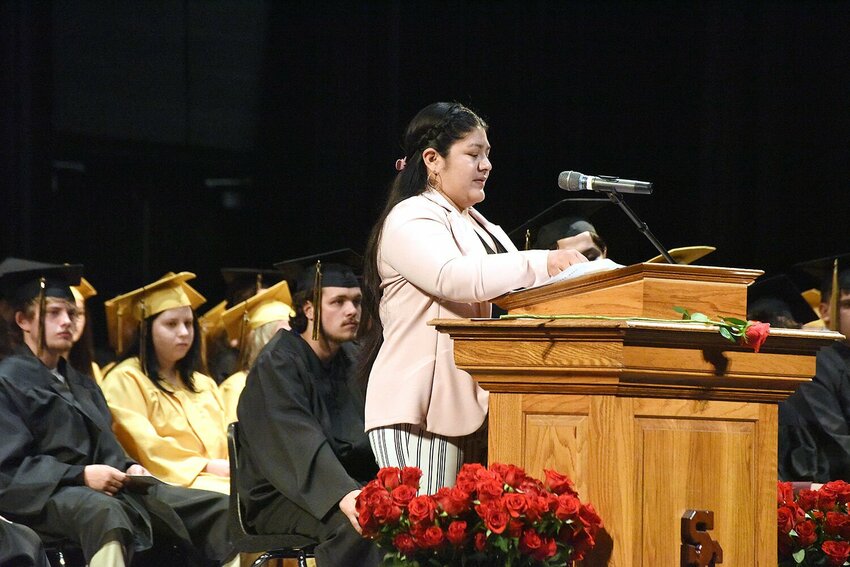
[(252, 323), (168, 416)]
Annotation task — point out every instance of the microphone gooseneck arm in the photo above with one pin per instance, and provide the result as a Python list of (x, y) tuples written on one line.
[(615, 197)]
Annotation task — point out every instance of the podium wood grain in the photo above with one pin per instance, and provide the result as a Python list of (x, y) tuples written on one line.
[(650, 419)]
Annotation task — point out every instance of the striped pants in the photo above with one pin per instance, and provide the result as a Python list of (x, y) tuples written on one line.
[(439, 457)]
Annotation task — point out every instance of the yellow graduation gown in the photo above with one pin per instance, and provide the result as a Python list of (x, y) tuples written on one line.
[(230, 390), (174, 433)]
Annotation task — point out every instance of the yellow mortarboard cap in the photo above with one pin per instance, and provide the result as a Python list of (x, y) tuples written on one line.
[(271, 304), (83, 291), (832, 274), (684, 255), (131, 308), (812, 297), (210, 322)]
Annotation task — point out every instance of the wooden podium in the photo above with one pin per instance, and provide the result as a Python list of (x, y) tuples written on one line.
[(649, 418)]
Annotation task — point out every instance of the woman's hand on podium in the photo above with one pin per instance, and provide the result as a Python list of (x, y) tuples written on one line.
[(559, 260)]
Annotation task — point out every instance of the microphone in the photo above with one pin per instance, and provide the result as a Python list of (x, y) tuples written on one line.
[(575, 181)]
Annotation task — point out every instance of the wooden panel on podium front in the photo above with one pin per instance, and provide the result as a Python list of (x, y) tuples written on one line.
[(650, 419), (646, 290)]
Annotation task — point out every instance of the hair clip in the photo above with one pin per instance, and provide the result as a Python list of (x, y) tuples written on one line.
[(400, 164)]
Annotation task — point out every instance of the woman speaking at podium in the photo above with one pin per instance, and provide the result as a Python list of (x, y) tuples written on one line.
[(431, 255)]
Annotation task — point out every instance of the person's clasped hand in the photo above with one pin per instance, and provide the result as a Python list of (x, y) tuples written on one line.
[(560, 260)]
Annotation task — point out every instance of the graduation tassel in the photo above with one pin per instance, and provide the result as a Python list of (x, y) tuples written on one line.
[(143, 359), (528, 239), (243, 349), (833, 298), (42, 308), (317, 301), (259, 284)]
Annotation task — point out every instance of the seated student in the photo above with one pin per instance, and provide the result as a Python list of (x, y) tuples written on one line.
[(62, 471), (251, 324), (814, 422), (166, 415), (20, 546), (305, 453), (81, 354)]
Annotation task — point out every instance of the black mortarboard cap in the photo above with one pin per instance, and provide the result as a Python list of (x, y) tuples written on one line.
[(567, 217), (243, 283), (818, 273), (832, 274), (339, 268), (775, 298), (327, 269), (21, 280)]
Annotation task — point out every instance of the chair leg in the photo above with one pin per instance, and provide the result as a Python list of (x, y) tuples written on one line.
[(261, 560)]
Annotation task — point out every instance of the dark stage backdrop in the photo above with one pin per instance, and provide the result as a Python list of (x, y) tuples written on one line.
[(141, 137)]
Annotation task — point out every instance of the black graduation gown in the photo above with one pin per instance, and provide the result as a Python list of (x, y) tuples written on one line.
[(302, 435), (50, 433), (814, 423), (20, 547)]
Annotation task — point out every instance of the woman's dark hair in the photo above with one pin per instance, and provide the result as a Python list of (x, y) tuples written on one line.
[(298, 322), (82, 353), (185, 367), (436, 126)]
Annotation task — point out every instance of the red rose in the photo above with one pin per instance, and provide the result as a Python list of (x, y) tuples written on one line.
[(582, 542), (515, 526), (511, 475), (389, 477), (410, 476), (807, 500), (453, 501), (496, 520), (836, 524), (490, 489), (836, 551), (806, 533), (786, 492), (839, 488), (516, 504), (568, 507), (480, 541), (405, 544), (826, 500), (785, 519), (558, 483), (433, 537), (386, 513), (456, 533), (529, 542), (403, 494), (536, 507), (546, 550), (591, 520), (755, 334), (421, 509)]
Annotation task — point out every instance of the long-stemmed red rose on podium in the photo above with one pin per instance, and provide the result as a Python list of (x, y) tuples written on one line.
[(492, 516)]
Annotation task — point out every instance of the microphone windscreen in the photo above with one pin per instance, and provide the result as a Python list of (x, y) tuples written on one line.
[(569, 181)]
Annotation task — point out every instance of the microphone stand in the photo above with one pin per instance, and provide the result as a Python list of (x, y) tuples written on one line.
[(614, 196)]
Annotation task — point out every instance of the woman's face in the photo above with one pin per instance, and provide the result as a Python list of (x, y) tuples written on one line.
[(172, 334), (462, 174)]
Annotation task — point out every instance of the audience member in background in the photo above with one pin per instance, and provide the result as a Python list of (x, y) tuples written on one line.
[(62, 471), (252, 324), (814, 423), (81, 355), (305, 454), (167, 415)]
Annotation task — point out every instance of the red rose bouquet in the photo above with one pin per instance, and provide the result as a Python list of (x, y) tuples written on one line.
[(496, 516), (814, 525)]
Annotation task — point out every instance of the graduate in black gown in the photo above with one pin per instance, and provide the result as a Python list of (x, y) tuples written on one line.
[(62, 471), (814, 423), (304, 453), (20, 546)]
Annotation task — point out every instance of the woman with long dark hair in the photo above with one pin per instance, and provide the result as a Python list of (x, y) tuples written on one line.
[(432, 255), (166, 414)]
